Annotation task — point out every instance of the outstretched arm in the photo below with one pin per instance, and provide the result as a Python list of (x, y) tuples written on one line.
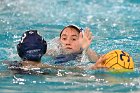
[(99, 64), (53, 67)]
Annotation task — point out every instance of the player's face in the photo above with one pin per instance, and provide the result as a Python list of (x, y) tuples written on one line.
[(70, 40)]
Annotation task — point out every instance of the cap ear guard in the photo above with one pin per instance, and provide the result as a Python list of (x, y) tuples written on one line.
[(45, 46), (20, 53)]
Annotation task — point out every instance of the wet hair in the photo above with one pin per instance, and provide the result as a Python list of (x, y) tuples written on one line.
[(32, 46), (72, 27)]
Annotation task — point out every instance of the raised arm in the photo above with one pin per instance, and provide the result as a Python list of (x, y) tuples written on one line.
[(85, 41)]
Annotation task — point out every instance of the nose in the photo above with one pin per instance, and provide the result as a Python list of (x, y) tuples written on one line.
[(68, 42)]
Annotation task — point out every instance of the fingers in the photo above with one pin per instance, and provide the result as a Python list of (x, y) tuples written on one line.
[(100, 63), (88, 34), (85, 38), (101, 60)]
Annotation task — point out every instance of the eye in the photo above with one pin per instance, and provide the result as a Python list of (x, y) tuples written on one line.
[(64, 38), (74, 39)]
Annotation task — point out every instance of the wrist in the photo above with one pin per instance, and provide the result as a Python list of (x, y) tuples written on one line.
[(84, 49)]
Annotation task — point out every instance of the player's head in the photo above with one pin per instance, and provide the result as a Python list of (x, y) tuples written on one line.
[(32, 46), (69, 38), (74, 27)]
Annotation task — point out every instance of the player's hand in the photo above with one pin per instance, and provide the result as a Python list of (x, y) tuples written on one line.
[(99, 63), (85, 38)]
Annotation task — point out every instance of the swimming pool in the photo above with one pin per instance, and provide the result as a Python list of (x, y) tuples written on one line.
[(115, 25)]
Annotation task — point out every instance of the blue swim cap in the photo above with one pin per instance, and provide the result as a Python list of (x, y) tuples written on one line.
[(32, 46)]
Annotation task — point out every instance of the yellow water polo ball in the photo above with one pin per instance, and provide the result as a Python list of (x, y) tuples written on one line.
[(119, 61)]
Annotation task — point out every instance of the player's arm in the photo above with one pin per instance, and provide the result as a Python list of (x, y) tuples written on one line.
[(92, 55), (85, 40), (55, 67)]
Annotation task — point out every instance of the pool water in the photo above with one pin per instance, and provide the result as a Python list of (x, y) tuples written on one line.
[(114, 24)]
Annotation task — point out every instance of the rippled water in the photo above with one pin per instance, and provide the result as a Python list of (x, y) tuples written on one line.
[(115, 25)]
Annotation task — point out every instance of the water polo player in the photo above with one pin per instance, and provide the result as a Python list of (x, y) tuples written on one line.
[(73, 43)]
